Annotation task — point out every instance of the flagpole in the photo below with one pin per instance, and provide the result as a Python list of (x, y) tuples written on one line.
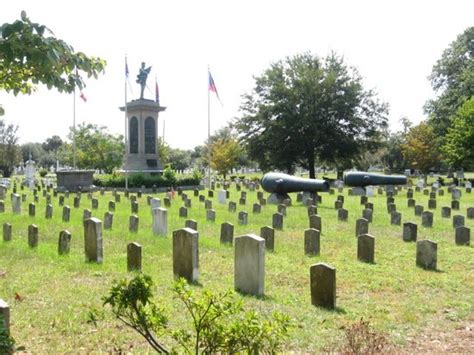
[(126, 126), (208, 131), (74, 128)]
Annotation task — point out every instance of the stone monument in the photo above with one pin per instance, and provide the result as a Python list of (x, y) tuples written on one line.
[(141, 152), (30, 171)]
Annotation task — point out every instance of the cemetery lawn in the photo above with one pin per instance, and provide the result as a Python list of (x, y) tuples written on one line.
[(56, 301)]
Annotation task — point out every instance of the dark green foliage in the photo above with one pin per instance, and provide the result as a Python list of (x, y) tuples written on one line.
[(9, 152), (30, 54), (139, 180), (459, 143), (305, 108), (43, 172), (132, 303), (452, 78), (218, 321)]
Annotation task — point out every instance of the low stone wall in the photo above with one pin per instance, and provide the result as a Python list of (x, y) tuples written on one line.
[(75, 180)]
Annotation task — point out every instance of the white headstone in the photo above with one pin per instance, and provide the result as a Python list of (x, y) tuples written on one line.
[(222, 196), (160, 221)]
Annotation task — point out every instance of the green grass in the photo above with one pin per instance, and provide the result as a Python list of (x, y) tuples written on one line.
[(61, 307)]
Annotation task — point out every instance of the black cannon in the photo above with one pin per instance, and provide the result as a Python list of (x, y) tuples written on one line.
[(281, 184), (363, 179)]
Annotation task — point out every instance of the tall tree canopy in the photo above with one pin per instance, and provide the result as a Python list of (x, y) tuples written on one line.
[(421, 149), (452, 78), (306, 108), (31, 54), (95, 148), (459, 146)]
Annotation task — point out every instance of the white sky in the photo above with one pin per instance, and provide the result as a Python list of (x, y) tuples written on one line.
[(394, 45)]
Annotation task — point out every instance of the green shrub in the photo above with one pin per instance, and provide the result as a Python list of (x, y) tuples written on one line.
[(43, 173), (139, 180), (218, 322)]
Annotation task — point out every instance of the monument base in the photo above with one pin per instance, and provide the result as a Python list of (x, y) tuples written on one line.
[(277, 198), (75, 180)]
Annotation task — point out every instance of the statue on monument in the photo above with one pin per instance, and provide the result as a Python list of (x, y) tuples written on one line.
[(141, 78)]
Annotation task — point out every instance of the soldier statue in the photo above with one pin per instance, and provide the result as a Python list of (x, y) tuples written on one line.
[(141, 78)]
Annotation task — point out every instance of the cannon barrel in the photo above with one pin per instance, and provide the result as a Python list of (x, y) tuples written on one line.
[(362, 179), (282, 183)]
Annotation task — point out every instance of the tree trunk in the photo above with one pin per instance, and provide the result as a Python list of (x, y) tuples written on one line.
[(312, 172)]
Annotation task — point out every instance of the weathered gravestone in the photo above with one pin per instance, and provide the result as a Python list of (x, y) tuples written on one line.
[(365, 248), (86, 214), (111, 206), (16, 204), (167, 202), (315, 222), (432, 204), (64, 242), (243, 218), (458, 221), (455, 205), (183, 212), (277, 221), (342, 214), (133, 223), (7, 232), (134, 207), (93, 243), (367, 214), (61, 200), (232, 206), (222, 197), (108, 220), (33, 235), (66, 213), (338, 204), (94, 203), (395, 218), (155, 203), (77, 202), (191, 223), (411, 202), (456, 194), (362, 227), (257, 208), (160, 221), (323, 285), (391, 207), (227, 233), (249, 265), (2, 206), (410, 231), (462, 236), (470, 213), (211, 215), (31, 209), (281, 208), (312, 241), (268, 234), (426, 254), (312, 210), (186, 254), (419, 210), (5, 315), (445, 212), (427, 219), (208, 204), (134, 257)]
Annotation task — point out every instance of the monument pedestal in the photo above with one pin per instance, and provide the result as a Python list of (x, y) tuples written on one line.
[(75, 180), (141, 155)]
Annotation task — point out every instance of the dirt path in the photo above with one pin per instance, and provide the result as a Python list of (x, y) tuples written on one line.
[(459, 341)]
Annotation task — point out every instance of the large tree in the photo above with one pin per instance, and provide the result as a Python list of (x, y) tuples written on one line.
[(224, 155), (305, 109), (9, 151), (95, 148), (459, 145), (30, 54), (452, 78), (421, 150)]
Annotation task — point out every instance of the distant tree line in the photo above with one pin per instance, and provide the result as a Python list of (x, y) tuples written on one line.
[(303, 111)]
